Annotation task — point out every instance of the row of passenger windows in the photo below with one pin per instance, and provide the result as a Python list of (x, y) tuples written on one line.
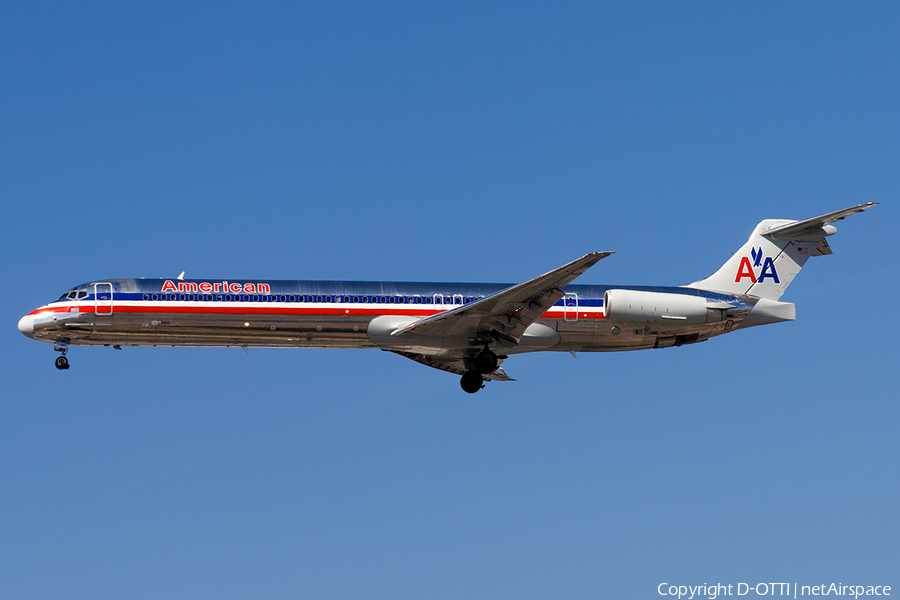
[(309, 298)]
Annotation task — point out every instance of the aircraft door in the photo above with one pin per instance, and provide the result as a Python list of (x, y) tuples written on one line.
[(103, 298), (438, 302), (570, 301)]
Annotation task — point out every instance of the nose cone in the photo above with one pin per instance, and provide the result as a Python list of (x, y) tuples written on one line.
[(26, 325)]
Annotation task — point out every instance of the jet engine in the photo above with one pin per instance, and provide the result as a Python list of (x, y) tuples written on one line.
[(632, 306)]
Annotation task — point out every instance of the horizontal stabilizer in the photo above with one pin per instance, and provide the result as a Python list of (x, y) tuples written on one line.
[(799, 228)]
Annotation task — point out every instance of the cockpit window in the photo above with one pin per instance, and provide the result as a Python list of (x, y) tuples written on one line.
[(74, 294)]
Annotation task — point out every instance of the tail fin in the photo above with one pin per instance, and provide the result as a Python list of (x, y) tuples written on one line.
[(774, 254)]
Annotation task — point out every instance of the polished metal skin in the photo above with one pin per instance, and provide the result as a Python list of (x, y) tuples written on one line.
[(464, 328)]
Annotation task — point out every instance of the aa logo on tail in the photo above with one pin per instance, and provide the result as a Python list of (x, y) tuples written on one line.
[(745, 269)]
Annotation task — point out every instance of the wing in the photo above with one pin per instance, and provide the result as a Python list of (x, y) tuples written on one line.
[(506, 314), (451, 365)]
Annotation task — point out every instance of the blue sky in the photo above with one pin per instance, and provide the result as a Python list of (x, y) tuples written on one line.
[(457, 142)]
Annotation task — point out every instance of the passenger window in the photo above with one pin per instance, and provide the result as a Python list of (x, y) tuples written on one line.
[(318, 298), (218, 297), (418, 300), (181, 297), (146, 296), (256, 298), (327, 298), (282, 298)]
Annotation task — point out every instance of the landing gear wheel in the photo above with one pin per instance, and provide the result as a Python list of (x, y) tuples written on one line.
[(486, 362), (471, 381), (62, 363)]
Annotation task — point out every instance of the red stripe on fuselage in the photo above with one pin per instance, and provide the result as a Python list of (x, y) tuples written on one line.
[(234, 309)]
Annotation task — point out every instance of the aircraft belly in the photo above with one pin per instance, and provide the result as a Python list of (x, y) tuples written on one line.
[(165, 329), (601, 335)]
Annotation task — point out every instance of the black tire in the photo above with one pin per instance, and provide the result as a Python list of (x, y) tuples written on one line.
[(62, 363), (471, 381), (486, 362)]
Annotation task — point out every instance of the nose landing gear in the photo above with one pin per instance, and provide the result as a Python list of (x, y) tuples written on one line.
[(61, 362)]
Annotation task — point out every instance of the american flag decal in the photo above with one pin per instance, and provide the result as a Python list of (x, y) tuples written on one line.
[(802, 250)]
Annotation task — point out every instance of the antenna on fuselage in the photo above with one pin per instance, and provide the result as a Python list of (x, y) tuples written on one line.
[(180, 276)]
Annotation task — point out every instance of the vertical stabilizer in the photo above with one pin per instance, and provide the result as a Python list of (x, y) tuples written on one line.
[(774, 254)]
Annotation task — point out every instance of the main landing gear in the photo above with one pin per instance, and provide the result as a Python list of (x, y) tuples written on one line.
[(471, 381), (485, 363), (61, 362)]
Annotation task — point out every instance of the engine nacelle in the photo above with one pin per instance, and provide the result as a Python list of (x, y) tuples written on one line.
[(632, 306)]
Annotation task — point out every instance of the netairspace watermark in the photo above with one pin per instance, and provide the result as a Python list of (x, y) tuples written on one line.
[(714, 590)]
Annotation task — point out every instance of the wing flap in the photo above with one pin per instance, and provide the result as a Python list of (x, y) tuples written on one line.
[(451, 365)]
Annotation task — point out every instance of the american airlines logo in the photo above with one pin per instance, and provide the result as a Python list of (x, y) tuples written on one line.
[(746, 269), (223, 287)]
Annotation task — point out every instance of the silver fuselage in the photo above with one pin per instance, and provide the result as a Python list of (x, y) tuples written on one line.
[(336, 314)]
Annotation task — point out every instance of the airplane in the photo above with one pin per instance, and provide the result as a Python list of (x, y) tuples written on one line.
[(468, 329)]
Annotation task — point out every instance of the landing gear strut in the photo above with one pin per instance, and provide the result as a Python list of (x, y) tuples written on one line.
[(471, 381), (61, 362)]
